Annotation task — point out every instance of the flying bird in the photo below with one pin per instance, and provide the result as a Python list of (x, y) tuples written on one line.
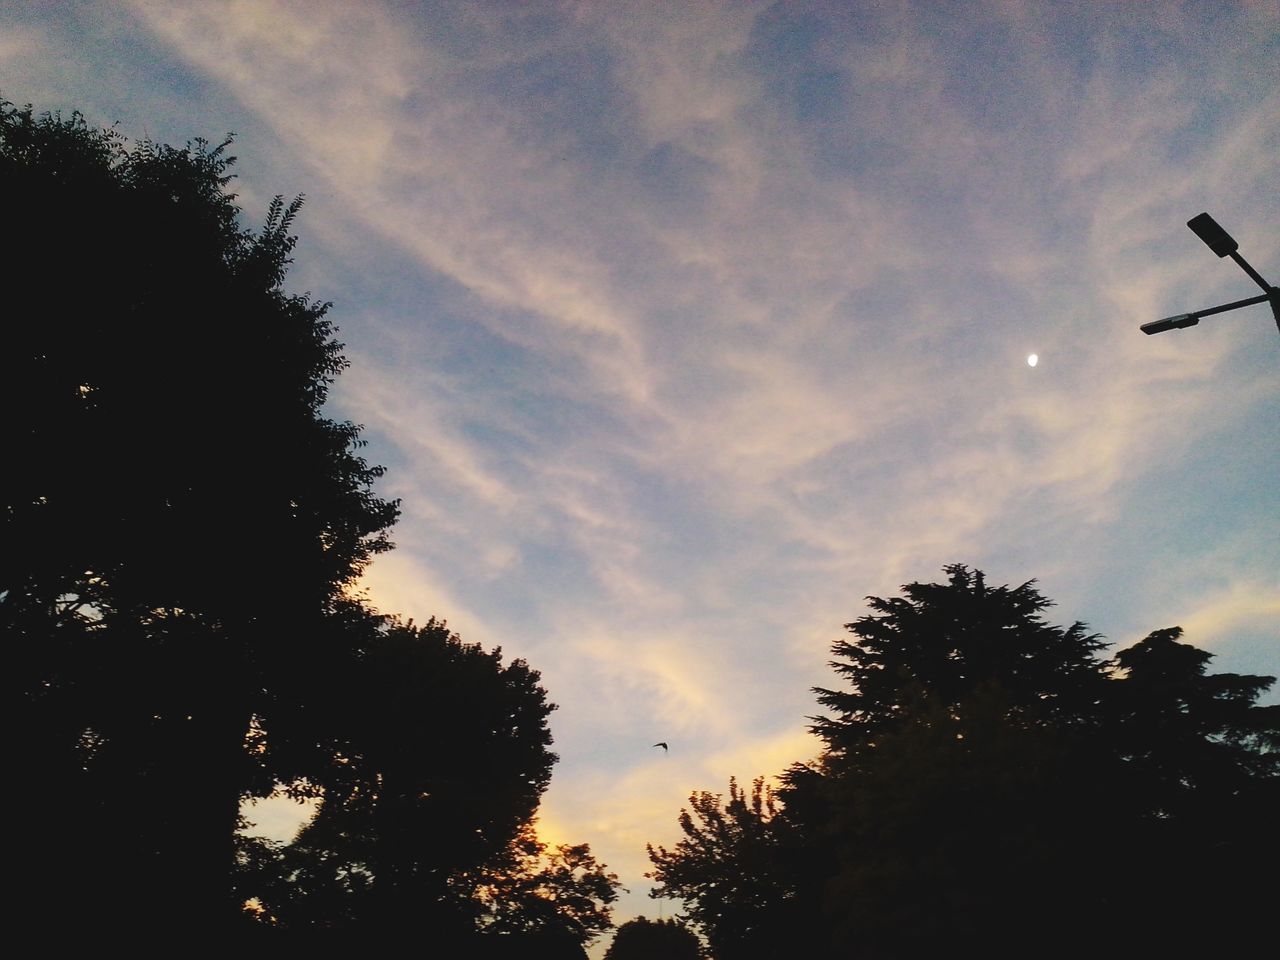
[(663, 745)]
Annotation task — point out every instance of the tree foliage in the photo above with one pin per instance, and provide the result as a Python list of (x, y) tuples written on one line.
[(733, 870), (989, 781), (942, 648), (444, 752), (180, 531), (531, 888), (185, 520), (440, 755), (644, 939)]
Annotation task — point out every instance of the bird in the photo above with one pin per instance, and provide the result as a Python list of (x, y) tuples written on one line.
[(663, 745)]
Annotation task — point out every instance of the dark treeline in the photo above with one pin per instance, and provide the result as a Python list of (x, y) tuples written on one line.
[(991, 786), (182, 529)]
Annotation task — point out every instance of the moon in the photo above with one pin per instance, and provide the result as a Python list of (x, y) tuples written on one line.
[(1033, 359)]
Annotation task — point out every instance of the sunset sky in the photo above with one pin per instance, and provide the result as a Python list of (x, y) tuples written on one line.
[(683, 327)]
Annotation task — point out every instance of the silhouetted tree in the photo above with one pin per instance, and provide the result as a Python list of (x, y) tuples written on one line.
[(180, 521), (1202, 776), (440, 755), (736, 870), (644, 939), (531, 888), (941, 646), (177, 546), (991, 784), (1194, 738), (961, 767)]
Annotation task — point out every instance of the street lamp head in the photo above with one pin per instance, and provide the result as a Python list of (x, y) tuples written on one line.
[(1170, 323), (1217, 239)]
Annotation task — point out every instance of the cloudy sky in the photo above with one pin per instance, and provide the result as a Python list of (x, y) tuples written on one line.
[(682, 327)]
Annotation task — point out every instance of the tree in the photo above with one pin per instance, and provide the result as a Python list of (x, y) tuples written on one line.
[(1202, 777), (530, 888), (644, 939), (179, 549), (989, 782), (969, 727), (736, 870), (439, 756), (184, 523), (1195, 738), (942, 647)]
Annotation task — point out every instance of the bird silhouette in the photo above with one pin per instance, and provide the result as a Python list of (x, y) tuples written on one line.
[(663, 745)]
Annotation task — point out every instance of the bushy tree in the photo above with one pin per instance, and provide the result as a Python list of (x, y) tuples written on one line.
[(736, 870), (531, 888), (179, 536), (644, 939), (1201, 763), (990, 783), (962, 771), (183, 519), (439, 753), (178, 542), (1193, 738), (943, 648)]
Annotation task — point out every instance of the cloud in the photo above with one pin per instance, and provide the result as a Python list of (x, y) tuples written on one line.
[(399, 584), (1241, 605)]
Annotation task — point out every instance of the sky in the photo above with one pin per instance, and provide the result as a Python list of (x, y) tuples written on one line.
[(681, 328)]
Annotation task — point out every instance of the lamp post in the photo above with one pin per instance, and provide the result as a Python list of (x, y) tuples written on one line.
[(1221, 243)]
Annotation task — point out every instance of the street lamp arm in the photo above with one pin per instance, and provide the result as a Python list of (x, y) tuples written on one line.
[(1253, 274), (1210, 311), (1191, 319)]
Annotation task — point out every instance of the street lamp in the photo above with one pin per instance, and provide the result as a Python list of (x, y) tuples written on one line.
[(1221, 243)]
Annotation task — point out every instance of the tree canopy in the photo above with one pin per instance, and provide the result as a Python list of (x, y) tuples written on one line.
[(180, 534), (941, 648), (439, 758), (185, 521), (734, 869), (645, 939), (990, 781)]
